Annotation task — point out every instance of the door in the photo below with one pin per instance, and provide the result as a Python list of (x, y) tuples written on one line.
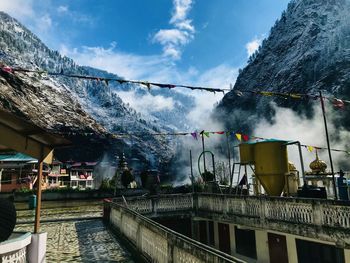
[(224, 238), (277, 248)]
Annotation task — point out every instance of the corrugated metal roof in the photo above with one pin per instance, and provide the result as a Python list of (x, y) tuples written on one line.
[(18, 157)]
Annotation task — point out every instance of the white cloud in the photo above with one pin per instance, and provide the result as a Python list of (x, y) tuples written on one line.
[(62, 9), (157, 69), (253, 45), (44, 23), (174, 39), (171, 36), (290, 126), (18, 8), (130, 66), (217, 77), (181, 9), (148, 103)]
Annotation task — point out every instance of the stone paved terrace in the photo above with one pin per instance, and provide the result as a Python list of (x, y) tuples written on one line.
[(75, 233)]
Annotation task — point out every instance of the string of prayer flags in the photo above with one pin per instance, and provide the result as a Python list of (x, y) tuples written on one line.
[(338, 103)]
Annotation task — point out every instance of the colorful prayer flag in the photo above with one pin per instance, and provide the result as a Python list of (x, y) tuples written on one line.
[(7, 69), (220, 132), (194, 135), (310, 148), (239, 136), (337, 103), (206, 134), (245, 137)]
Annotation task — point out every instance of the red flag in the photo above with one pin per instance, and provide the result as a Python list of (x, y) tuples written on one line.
[(7, 69), (245, 137), (337, 103), (220, 132)]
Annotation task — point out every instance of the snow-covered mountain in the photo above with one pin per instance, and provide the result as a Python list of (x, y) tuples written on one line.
[(307, 49), (77, 106)]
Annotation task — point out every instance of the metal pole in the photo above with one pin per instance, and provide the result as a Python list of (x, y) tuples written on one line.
[(0, 178), (328, 145), (229, 155), (302, 163), (203, 149), (192, 178), (38, 193)]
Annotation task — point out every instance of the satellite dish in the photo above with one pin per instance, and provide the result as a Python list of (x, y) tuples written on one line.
[(7, 219)]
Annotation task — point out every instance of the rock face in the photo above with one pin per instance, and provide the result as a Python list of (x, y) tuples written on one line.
[(83, 110), (308, 49)]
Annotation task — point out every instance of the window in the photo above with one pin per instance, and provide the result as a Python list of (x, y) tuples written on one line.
[(74, 183), (89, 183), (245, 242), (6, 178), (313, 252)]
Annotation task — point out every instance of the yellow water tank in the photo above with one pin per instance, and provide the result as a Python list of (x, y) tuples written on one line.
[(246, 153), (271, 165)]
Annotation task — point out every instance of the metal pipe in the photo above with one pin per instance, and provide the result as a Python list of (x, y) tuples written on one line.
[(229, 155), (203, 151), (192, 178), (328, 145), (301, 158)]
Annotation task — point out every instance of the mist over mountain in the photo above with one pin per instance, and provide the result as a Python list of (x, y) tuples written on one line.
[(307, 50), (78, 107)]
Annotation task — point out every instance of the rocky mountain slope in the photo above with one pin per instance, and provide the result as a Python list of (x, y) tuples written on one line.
[(80, 109), (308, 49)]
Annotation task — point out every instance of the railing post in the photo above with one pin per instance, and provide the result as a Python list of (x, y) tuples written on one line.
[(317, 213), (154, 205), (170, 250), (195, 202), (262, 211)]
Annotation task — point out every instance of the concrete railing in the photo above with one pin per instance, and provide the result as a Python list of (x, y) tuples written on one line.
[(156, 205), (325, 213), (158, 243), (14, 250), (294, 210)]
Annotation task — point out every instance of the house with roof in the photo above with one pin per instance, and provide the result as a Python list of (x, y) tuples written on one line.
[(58, 176), (81, 175), (17, 171)]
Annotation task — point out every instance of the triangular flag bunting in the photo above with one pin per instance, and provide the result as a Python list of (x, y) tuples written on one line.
[(245, 137), (220, 132), (206, 134), (239, 136)]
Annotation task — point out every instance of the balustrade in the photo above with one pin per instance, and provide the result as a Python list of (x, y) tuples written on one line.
[(160, 244), (15, 249), (294, 210)]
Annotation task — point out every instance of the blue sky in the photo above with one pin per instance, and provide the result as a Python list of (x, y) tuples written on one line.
[(196, 42), (183, 39)]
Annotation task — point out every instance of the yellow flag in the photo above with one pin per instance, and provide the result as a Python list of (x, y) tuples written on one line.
[(310, 148), (295, 96), (266, 93), (239, 136)]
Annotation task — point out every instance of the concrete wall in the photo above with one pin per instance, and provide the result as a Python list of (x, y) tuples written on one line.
[(262, 245)]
